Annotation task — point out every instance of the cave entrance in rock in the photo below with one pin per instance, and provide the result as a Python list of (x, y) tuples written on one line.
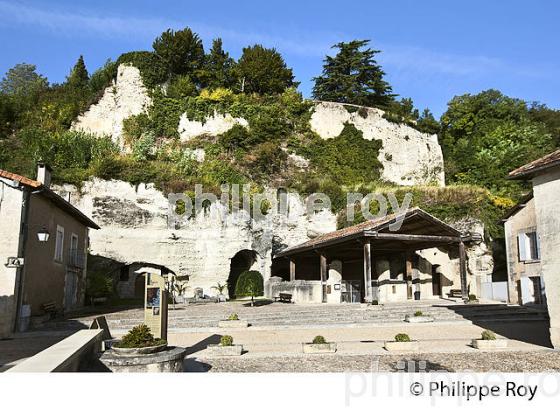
[(241, 262)]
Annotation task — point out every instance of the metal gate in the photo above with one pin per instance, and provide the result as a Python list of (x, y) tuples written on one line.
[(351, 291)]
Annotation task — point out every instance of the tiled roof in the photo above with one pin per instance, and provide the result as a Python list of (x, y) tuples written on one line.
[(550, 160), (51, 195), (21, 179), (374, 224)]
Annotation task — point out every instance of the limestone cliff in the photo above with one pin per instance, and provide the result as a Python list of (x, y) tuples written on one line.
[(409, 157), (134, 228), (127, 96)]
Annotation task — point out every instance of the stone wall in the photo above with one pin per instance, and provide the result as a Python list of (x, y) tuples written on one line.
[(409, 157), (546, 189), (10, 219), (134, 228), (127, 96)]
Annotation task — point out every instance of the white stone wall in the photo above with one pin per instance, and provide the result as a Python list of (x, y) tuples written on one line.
[(10, 219), (409, 157), (546, 189), (134, 228), (126, 97)]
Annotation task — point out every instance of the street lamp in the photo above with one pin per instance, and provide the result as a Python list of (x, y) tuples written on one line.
[(43, 235)]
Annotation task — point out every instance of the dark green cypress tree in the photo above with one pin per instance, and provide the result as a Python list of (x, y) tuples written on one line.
[(218, 67), (79, 76)]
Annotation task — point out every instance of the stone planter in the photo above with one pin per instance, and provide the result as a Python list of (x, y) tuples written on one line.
[(233, 323), (126, 351), (219, 350), (489, 344), (169, 360), (412, 346), (472, 302), (418, 319), (315, 348)]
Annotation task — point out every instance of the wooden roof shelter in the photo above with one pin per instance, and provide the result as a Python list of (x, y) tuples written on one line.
[(411, 230)]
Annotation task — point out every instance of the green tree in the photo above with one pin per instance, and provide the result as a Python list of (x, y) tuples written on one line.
[(427, 123), (353, 76), (218, 67), (549, 117), (484, 136), (249, 283), (79, 76), (23, 80), (263, 71), (181, 51), (103, 76)]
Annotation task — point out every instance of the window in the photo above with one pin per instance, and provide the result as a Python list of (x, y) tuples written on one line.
[(528, 246), (74, 250), (59, 244)]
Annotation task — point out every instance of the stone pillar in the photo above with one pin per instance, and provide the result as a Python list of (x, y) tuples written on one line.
[(463, 271), (367, 272), (324, 277), (292, 270)]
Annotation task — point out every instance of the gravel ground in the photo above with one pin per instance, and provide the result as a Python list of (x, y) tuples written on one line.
[(451, 362)]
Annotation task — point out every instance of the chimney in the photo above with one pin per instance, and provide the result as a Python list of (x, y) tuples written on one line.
[(44, 174)]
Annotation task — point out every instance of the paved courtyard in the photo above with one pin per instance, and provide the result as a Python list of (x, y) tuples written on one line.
[(273, 341)]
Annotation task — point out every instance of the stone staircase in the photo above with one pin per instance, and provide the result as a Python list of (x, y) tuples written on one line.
[(284, 315)]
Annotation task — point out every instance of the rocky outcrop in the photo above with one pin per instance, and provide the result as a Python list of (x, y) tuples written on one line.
[(134, 228), (409, 157), (127, 96), (215, 125)]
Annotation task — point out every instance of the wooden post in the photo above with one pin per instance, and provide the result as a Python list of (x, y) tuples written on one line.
[(324, 277), (408, 278), (367, 271), (292, 270), (463, 271)]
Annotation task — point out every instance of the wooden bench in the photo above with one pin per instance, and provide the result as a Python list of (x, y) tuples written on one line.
[(283, 297), (455, 293), (50, 308)]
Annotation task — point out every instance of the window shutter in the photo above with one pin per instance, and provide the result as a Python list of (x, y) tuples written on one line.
[(522, 246), (537, 246)]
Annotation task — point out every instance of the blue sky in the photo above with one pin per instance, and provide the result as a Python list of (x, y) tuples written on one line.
[(432, 50)]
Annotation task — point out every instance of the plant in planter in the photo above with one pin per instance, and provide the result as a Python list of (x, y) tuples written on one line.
[(220, 287), (179, 290), (402, 342), (472, 299), (225, 347), (249, 283), (233, 321), (418, 317), (140, 351), (139, 340), (488, 341), (319, 345)]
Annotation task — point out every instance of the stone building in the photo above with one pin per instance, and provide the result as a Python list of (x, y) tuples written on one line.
[(525, 285), (49, 238), (544, 173)]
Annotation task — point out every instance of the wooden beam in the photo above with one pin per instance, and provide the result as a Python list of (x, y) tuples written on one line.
[(409, 237), (292, 269), (463, 271), (324, 276), (368, 294)]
